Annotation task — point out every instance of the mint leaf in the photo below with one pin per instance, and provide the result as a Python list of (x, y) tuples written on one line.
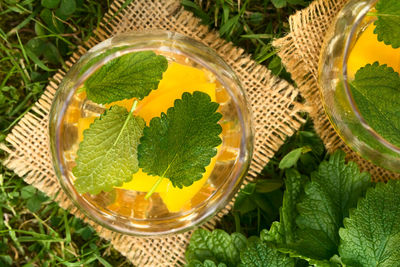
[(50, 3), (388, 22), (371, 236), (334, 189), (279, 3), (107, 156), (216, 246), (180, 144), (101, 56), (292, 157), (376, 91), (67, 7), (312, 214), (258, 254), (132, 75)]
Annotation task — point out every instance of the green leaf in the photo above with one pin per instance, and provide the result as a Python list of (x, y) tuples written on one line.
[(275, 65), (132, 75), (50, 3), (334, 189), (376, 91), (244, 203), (52, 54), (217, 246), (312, 140), (39, 30), (268, 185), (98, 58), (292, 157), (107, 156), (67, 7), (388, 22), (37, 61), (371, 235), (61, 15), (311, 218), (34, 204), (6, 260), (180, 144), (53, 23), (36, 45), (258, 254), (47, 16), (86, 232), (28, 192), (279, 3)]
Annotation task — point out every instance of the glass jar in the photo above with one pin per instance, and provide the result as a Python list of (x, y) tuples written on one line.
[(127, 211), (337, 68)]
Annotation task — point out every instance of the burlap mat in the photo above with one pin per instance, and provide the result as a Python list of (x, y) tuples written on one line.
[(275, 115), (300, 51)]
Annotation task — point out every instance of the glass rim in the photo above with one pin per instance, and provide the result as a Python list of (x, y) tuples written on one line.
[(347, 50), (220, 200)]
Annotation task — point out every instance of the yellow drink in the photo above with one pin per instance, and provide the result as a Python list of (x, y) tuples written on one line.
[(128, 199)]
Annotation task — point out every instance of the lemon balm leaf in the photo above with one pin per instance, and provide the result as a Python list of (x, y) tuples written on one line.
[(100, 57), (371, 235), (313, 211), (217, 246), (179, 145), (334, 189), (257, 253), (376, 91), (388, 22), (107, 156), (129, 76)]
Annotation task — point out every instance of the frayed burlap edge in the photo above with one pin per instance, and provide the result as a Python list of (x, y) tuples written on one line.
[(300, 51), (275, 116)]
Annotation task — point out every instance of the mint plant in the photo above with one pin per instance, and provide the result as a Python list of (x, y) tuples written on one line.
[(334, 217)]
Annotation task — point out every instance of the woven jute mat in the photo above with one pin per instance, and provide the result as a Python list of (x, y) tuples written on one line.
[(275, 117), (300, 51)]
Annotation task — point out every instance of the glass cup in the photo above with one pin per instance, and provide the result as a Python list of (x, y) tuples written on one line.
[(127, 211), (335, 72)]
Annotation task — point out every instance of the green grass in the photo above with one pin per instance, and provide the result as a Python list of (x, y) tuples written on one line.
[(36, 37)]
